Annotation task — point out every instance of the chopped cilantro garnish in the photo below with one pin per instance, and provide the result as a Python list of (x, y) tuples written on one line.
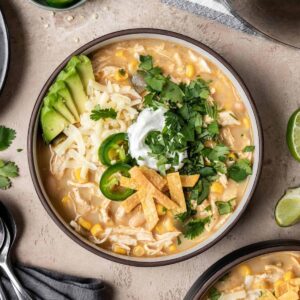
[(249, 149), (214, 294), (7, 170), (195, 227), (240, 170), (7, 135), (224, 208), (19, 150), (98, 113), (122, 72), (146, 62)]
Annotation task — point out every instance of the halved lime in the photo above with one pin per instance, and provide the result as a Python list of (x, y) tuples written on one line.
[(287, 211), (293, 134)]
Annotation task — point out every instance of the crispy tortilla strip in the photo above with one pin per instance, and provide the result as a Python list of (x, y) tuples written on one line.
[(132, 201), (128, 183), (149, 208), (175, 188), (157, 180), (189, 180), (142, 181)]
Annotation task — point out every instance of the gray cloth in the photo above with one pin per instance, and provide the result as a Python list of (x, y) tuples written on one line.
[(200, 8), (49, 285)]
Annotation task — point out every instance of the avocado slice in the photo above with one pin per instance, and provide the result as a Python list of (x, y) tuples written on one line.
[(71, 78), (84, 68), (53, 123), (61, 89), (55, 101)]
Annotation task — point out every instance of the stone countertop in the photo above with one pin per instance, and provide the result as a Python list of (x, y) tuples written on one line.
[(40, 40)]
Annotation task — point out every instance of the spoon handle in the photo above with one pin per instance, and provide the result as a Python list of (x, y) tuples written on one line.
[(2, 292), (22, 294)]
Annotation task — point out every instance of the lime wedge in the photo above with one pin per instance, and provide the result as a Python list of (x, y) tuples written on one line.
[(293, 134), (287, 211)]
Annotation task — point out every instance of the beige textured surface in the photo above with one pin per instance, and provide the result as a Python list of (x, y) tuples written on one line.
[(41, 40)]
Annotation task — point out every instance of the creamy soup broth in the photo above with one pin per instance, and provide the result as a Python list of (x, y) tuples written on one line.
[(176, 61)]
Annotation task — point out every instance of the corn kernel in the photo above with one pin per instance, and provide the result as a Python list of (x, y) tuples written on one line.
[(172, 248), (77, 175), (133, 65), (65, 200), (84, 223), (121, 75), (119, 53), (246, 122), (288, 275), (119, 250), (232, 156), (161, 211), (159, 228), (190, 71), (138, 250), (169, 225), (245, 270), (217, 187), (96, 230)]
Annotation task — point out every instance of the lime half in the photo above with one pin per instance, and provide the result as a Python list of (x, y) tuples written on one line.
[(293, 134), (287, 211)]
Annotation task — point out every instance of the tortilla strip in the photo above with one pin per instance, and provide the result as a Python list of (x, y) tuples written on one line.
[(149, 208), (175, 188), (142, 181), (157, 180), (132, 201), (128, 183), (189, 180)]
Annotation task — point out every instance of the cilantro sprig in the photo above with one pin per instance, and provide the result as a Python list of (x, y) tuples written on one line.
[(195, 227), (98, 113), (8, 169), (7, 135), (240, 170)]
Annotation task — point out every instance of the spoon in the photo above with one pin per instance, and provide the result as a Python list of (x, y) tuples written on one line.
[(2, 239), (5, 264)]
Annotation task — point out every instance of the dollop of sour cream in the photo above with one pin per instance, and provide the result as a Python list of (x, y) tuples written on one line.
[(148, 120)]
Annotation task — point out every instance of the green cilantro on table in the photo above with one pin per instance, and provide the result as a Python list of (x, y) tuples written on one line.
[(7, 135), (98, 113), (8, 170)]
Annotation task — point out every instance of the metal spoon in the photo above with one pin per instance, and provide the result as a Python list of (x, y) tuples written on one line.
[(2, 240), (5, 264)]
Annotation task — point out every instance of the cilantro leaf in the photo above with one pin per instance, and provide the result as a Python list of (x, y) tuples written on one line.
[(7, 135), (213, 128), (240, 170), (218, 152), (195, 227), (5, 183), (146, 62), (249, 149), (214, 294), (224, 208), (98, 113), (7, 170)]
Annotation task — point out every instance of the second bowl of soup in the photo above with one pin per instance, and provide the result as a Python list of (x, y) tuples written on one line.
[(145, 146), (263, 271)]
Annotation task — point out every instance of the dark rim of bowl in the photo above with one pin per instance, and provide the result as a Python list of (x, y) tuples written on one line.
[(206, 281), (253, 27), (34, 118), (6, 67)]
